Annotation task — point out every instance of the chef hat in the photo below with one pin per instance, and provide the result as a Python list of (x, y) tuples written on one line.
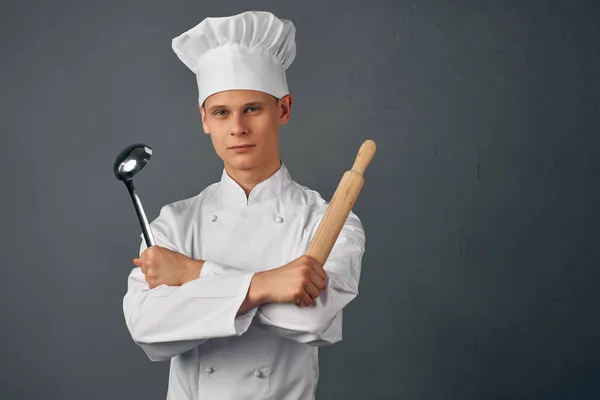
[(251, 50)]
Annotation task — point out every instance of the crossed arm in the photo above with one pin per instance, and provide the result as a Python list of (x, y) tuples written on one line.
[(220, 302)]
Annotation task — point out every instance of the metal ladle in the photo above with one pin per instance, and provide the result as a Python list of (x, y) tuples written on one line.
[(128, 163)]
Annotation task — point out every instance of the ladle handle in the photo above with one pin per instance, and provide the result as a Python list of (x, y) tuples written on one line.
[(137, 204)]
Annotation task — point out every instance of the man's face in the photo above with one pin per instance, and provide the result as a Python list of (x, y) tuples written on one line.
[(247, 118)]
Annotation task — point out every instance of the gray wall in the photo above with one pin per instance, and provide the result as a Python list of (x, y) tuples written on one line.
[(481, 205)]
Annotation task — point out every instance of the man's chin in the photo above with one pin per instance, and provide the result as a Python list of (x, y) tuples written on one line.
[(241, 164)]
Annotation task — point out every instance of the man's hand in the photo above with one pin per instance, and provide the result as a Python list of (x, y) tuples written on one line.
[(162, 266), (300, 281)]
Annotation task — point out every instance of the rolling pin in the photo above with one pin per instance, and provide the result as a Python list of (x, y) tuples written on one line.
[(341, 204)]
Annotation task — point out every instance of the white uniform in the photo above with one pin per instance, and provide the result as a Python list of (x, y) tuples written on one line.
[(271, 351)]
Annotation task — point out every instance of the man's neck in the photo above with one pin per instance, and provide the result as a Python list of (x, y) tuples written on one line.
[(249, 178)]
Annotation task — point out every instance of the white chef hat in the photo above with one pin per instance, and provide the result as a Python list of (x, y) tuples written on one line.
[(251, 51)]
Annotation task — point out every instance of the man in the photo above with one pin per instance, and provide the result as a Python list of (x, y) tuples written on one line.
[(226, 294)]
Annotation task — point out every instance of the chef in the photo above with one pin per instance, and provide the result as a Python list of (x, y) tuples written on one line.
[(226, 294)]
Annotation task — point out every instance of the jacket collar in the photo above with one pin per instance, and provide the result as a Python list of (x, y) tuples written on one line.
[(270, 187)]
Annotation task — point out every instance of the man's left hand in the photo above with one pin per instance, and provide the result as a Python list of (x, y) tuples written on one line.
[(163, 266)]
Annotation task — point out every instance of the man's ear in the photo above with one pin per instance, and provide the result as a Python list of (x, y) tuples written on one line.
[(203, 115), (285, 109)]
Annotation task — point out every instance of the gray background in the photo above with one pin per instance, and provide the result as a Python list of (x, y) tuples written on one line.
[(479, 280)]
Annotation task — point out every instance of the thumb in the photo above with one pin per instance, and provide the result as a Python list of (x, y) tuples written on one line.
[(137, 262)]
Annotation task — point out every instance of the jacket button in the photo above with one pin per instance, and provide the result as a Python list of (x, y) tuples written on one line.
[(209, 370), (279, 220), (214, 218), (258, 373)]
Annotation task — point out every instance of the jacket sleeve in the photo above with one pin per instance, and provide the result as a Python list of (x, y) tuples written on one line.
[(169, 320), (320, 324)]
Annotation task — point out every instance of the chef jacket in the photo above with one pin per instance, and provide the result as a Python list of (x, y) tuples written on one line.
[(271, 351)]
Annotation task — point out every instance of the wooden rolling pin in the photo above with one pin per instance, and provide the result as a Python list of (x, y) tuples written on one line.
[(341, 204)]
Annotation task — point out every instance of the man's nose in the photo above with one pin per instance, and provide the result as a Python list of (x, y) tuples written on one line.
[(238, 126)]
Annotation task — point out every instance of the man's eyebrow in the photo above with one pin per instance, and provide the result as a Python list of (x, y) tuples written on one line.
[(250, 104), (216, 107), (255, 103)]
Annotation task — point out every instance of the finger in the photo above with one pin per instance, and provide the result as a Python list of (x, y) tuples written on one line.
[(318, 268), (317, 280), (144, 268), (311, 290), (137, 262), (305, 300), (153, 280), (148, 252)]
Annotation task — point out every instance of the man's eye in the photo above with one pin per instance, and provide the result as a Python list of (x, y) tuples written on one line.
[(220, 113), (252, 109)]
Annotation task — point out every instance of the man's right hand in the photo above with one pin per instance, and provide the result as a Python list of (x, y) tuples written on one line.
[(299, 281)]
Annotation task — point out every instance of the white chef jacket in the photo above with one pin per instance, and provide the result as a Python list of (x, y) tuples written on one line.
[(271, 351)]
